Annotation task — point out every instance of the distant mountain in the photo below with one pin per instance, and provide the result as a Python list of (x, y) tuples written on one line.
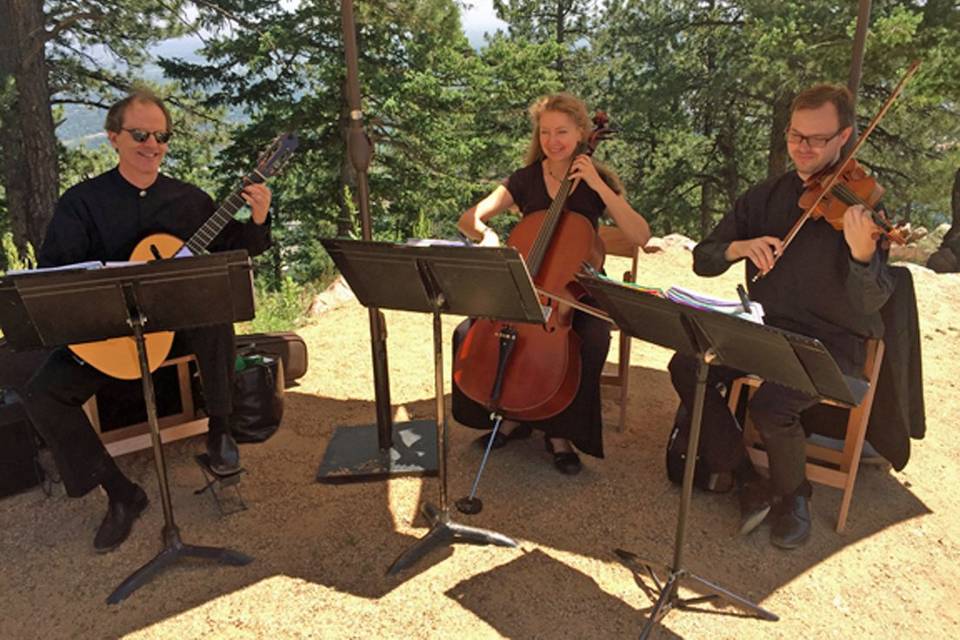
[(84, 125)]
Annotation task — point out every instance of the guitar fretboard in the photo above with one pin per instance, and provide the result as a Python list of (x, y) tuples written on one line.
[(199, 241)]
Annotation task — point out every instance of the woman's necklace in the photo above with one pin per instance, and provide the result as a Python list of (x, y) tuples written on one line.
[(553, 175)]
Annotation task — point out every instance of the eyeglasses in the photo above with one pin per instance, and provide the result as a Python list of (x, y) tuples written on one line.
[(162, 137), (814, 142)]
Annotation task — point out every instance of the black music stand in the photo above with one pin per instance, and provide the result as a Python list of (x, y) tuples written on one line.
[(468, 281), (714, 338), (165, 295)]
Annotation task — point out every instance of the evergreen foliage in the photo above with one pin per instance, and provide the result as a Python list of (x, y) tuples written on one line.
[(699, 90)]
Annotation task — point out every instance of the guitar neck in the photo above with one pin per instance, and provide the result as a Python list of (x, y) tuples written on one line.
[(199, 241)]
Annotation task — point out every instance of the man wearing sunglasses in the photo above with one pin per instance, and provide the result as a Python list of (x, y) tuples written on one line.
[(102, 219), (828, 284)]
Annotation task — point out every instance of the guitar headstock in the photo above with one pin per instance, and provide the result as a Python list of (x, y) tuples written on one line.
[(275, 156)]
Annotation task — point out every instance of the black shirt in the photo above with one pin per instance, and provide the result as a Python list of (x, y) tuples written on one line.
[(816, 288), (104, 217), (528, 188)]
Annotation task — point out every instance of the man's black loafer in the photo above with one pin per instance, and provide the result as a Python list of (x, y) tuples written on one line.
[(118, 522)]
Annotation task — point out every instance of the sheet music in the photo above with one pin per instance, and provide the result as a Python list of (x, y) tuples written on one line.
[(707, 302), (75, 266), (438, 242), (89, 265)]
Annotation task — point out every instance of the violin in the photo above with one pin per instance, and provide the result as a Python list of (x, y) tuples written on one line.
[(854, 186), (848, 184)]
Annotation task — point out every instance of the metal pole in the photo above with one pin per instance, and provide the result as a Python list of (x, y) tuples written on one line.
[(856, 60), (441, 413), (358, 147)]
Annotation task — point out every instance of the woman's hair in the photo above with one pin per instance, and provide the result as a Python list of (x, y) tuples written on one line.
[(577, 110)]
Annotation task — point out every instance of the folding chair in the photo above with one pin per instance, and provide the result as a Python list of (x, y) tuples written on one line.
[(617, 244), (824, 465)]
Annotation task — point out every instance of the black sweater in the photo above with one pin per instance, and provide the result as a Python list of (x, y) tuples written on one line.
[(816, 288), (104, 217)]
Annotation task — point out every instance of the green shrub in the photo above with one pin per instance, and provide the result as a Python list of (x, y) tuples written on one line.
[(282, 310)]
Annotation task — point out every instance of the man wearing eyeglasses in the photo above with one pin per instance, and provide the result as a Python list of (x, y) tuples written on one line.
[(828, 284), (102, 219)]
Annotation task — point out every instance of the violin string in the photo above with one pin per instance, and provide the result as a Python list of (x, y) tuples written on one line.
[(849, 198)]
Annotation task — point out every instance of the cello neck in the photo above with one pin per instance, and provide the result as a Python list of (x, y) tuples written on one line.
[(552, 218)]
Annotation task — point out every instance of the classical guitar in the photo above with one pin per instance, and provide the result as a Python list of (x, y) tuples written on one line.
[(117, 357)]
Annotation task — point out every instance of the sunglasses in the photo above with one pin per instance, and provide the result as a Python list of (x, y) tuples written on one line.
[(162, 137)]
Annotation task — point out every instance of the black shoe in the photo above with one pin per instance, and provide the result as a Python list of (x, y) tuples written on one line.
[(223, 452), (566, 462), (118, 522), (520, 432), (791, 524), (755, 504)]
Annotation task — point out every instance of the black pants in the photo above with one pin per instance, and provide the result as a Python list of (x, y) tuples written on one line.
[(582, 421), (55, 393), (775, 411)]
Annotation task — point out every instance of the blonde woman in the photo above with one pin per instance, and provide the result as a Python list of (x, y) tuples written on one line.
[(560, 122)]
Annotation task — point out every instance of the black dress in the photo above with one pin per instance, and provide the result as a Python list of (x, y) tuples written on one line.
[(581, 422)]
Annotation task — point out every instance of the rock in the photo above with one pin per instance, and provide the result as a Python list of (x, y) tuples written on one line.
[(908, 253), (335, 295), (656, 245)]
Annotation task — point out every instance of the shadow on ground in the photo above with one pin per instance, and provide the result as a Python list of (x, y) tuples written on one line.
[(345, 536)]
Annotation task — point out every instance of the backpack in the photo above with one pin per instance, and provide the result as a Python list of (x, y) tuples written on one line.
[(719, 455)]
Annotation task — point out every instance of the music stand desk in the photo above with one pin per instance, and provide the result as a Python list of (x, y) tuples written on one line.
[(471, 281), (164, 295)]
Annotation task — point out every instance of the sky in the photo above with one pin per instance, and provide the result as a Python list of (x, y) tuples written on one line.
[(479, 19)]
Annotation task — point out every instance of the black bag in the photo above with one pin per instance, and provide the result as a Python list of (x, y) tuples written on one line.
[(718, 455), (285, 345), (257, 399), (19, 468)]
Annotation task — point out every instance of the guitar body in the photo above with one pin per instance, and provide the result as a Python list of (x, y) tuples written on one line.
[(117, 357)]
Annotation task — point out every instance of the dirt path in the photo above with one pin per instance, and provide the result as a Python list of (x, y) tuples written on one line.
[(321, 550)]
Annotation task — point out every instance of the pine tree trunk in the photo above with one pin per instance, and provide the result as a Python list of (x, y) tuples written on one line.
[(777, 158), (27, 136), (346, 224)]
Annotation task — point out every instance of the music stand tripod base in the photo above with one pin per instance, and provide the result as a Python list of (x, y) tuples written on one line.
[(173, 547), (669, 592), (444, 531)]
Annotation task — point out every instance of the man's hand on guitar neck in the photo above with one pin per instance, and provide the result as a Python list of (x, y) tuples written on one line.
[(257, 197)]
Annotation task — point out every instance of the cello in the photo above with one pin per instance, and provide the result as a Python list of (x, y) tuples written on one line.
[(531, 372)]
